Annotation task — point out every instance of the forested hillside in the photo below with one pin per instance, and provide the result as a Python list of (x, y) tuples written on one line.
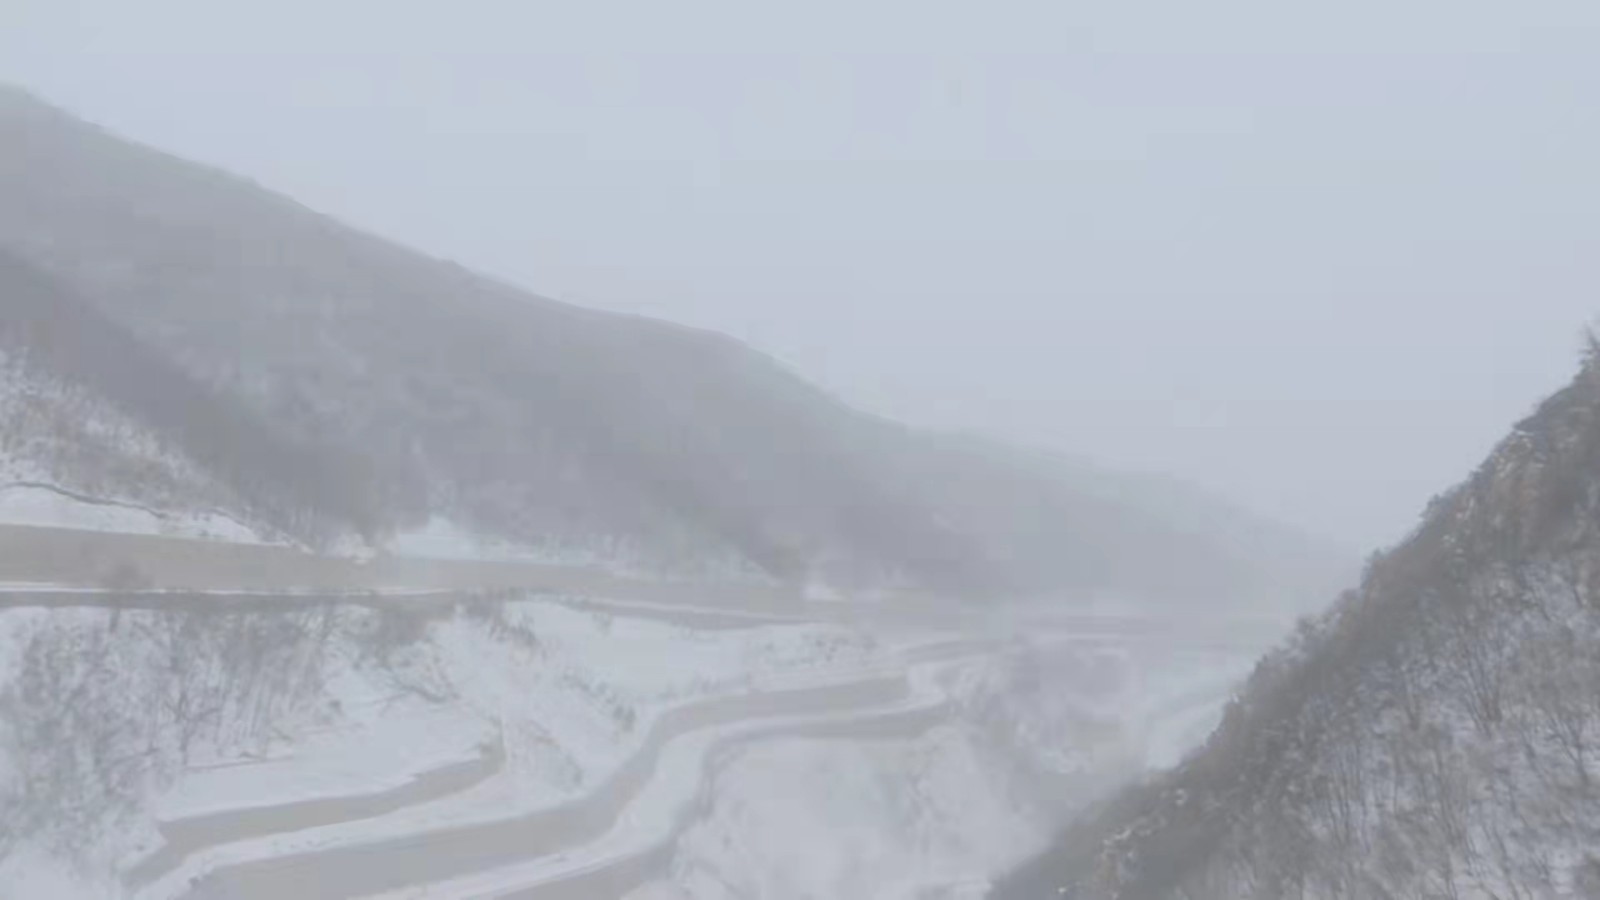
[(1435, 734), (336, 380), (90, 411)]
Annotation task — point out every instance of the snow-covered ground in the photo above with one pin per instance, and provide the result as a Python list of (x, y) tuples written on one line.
[(33, 504), (568, 694), (442, 538), (394, 723), (874, 819), (69, 459), (680, 788), (796, 670), (1032, 735), (383, 753)]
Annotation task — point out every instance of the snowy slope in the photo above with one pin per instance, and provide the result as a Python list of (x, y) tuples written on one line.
[(942, 813), (99, 431), (48, 505), (244, 749), (345, 384), (890, 819), (1435, 734), (257, 710), (69, 461)]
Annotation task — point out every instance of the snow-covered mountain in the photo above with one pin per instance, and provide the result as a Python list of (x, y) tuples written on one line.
[(1435, 734), (95, 420), (328, 384)]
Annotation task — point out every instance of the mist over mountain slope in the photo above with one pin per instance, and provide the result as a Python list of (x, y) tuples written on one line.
[(1056, 520), (543, 423), (1435, 734), (90, 410)]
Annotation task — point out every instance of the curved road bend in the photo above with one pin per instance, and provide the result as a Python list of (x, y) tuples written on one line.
[(616, 875), (182, 838), (390, 863), (185, 837)]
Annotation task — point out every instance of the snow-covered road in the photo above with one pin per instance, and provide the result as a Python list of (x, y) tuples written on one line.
[(68, 568), (85, 558), (550, 844), (458, 821)]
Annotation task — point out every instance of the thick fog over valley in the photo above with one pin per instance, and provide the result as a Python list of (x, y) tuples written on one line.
[(852, 451)]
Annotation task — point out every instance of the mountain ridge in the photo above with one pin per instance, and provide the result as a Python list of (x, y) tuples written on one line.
[(542, 422), (1432, 734)]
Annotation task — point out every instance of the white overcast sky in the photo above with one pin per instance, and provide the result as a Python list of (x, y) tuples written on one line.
[(1315, 256)]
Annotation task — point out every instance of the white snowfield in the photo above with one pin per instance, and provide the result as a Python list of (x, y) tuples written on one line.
[(47, 506), (498, 819), (678, 790), (645, 824), (579, 747), (27, 498)]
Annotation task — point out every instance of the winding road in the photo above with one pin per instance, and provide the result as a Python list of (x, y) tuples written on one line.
[(859, 705), (592, 846)]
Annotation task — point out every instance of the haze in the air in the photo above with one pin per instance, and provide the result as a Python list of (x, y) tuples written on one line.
[(1317, 258)]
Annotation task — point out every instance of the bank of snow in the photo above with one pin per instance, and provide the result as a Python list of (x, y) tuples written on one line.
[(69, 458), (48, 506), (873, 819), (244, 711), (1034, 734), (442, 537)]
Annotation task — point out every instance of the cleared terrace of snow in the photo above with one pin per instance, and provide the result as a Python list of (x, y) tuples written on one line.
[(566, 712), (670, 775), (392, 748), (934, 810), (681, 788), (886, 817), (565, 696), (593, 677), (942, 813)]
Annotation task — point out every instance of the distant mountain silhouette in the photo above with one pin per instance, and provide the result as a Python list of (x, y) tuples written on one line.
[(337, 382)]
